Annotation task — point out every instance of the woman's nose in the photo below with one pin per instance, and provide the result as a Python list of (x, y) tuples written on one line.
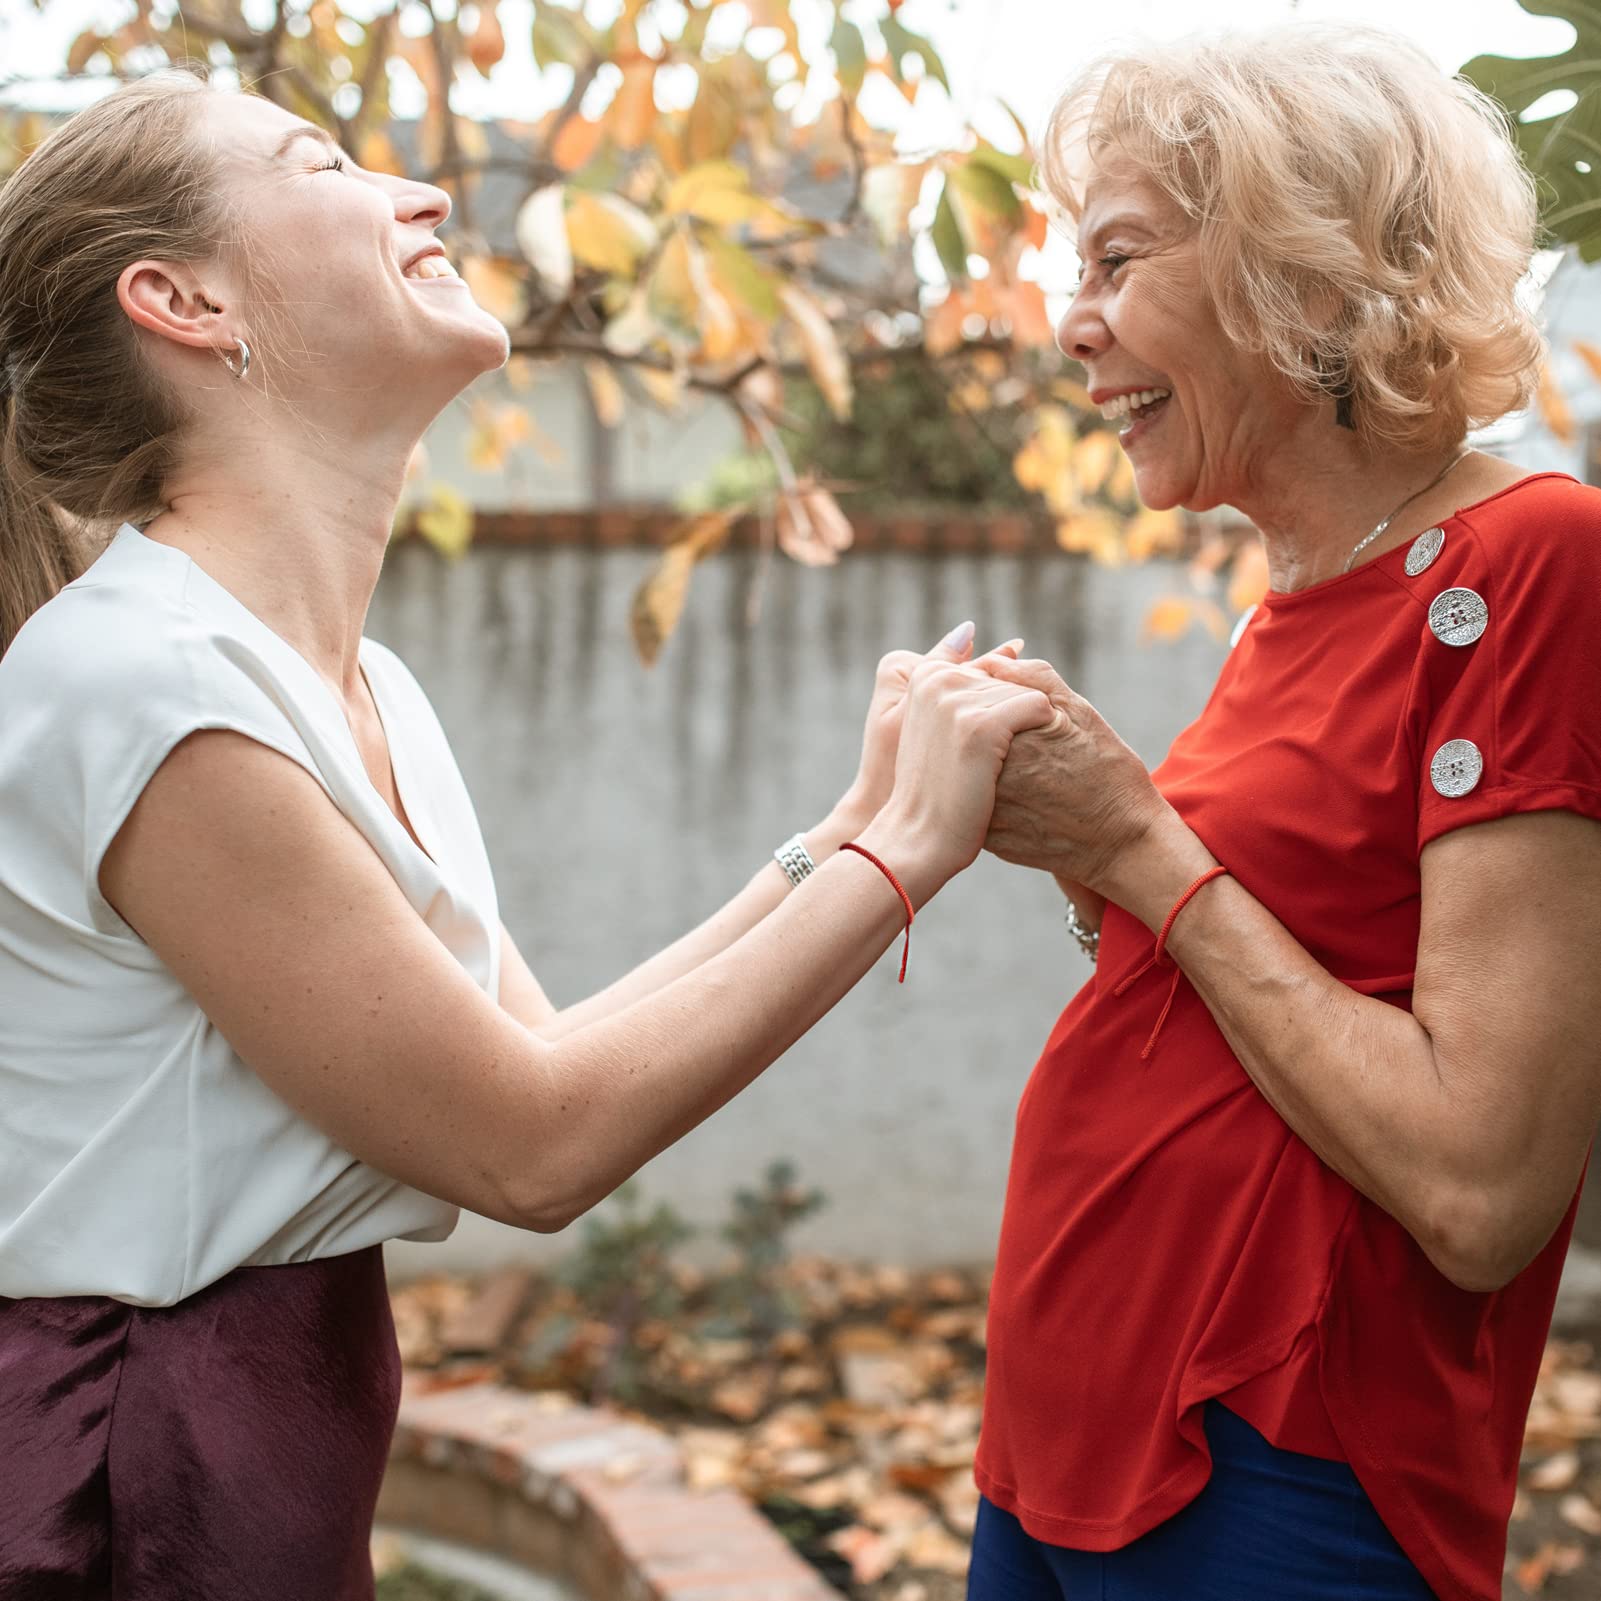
[(1082, 334), (422, 203)]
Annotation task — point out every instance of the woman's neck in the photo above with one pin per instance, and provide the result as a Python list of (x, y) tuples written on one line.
[(1314, 508), (297, 537)]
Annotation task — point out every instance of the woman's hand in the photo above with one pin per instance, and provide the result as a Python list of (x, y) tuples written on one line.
[(1073, 799), (875, 778), (958, 725)]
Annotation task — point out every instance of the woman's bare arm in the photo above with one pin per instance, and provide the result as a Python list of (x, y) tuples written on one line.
[(1466, 1119), (278, 917)]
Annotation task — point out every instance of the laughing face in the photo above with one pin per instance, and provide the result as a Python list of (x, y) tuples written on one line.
[(327, 239), (1195, 413)]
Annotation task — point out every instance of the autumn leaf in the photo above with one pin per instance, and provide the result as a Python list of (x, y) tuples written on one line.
[(659, 601), (1554, 408), (376, 152), (488, 42), (496, 284), (825, 357), (83, 47), (576, 142), (632, 113), (607, 233), (1590, 355), (606, 392), (811, 528), (1171, 618), (446, 520), (1248, 576)]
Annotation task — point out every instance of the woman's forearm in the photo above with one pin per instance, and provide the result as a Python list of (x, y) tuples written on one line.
[(621, 1089), (768, 889), (1356, 1078)]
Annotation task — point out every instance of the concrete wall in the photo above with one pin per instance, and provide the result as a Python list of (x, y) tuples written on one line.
[(621, 806)]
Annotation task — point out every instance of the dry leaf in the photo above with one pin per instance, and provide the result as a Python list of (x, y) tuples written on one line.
[(1581, 1512), (825, 357), (1555, 1473)]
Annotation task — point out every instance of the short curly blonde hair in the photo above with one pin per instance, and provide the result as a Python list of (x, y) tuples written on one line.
[(1363, 220)]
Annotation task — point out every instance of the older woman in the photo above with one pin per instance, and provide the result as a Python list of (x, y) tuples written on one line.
[(1294, 1177), (259, 1011)]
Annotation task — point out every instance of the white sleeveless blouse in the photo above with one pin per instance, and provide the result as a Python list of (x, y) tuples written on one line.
[(140, 1157)]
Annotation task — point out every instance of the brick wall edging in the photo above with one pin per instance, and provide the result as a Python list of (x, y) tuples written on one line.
[(579, 1494)]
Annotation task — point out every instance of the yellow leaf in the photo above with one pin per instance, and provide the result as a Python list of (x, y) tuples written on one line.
[(446, 521), (1092, 532), (1095, 460), (665, 388), (606, 392), (496, 284), (717, 192), (1554, 407), (1044, 464), (607, 233), (659, 601), (825, 357), (1154, 533)]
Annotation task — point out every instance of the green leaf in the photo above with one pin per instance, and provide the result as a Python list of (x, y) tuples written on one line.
[(850, 55), (1015, 169), (1554, 147), (903, 42), (988, 190), (742, 275), (948, 240), (560, 36)]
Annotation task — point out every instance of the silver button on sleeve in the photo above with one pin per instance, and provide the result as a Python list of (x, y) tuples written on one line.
[(1458, 616), (1456, 768)]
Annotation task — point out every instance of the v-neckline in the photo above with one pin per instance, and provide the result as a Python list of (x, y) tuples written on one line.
[(397, 760)]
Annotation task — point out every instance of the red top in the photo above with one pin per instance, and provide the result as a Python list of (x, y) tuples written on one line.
[(1167, 1239)]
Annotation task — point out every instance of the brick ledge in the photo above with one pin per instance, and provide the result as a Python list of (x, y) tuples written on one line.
[(582, 1495)]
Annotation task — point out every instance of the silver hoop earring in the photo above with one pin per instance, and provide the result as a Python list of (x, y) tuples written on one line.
[(244, 360)]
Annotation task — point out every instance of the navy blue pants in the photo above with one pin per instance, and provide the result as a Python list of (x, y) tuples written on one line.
[(1269, 1524)]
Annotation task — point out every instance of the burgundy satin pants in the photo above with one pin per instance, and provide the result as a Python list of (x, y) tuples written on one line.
[(228, 1448)]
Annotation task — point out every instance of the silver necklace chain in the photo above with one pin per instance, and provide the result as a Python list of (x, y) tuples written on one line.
[(1363, 544)]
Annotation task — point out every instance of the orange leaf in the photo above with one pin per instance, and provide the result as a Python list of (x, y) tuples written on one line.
[(488, 42), (378, 154), (825, 357), (1554, 407), (577, 141), (1248, 576), (812, 529), (1589, 354), (632, 114), (1031, 323)]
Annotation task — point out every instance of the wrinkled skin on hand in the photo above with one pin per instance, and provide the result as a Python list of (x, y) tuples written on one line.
[(1072, 797)]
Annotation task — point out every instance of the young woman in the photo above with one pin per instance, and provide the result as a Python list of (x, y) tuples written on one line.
[(259, 1011)]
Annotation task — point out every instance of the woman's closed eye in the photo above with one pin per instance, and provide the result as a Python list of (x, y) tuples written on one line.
[(333, 164)]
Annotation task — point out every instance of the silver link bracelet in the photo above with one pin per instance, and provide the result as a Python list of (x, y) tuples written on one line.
[(1089, 939), (795, 859)]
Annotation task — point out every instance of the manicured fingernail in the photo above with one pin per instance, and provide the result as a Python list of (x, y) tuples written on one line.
[(959, 636)]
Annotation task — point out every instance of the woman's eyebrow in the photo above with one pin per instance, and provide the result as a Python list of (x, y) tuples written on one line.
[(1088, 242), (304, 130)]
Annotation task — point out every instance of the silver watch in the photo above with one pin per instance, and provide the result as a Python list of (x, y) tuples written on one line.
[(795, 859), (1089, 939)]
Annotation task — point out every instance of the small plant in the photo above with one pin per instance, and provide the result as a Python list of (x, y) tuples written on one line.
[(623, 1272), (759, 1230)]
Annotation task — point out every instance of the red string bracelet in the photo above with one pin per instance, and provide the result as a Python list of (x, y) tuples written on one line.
[(906, 900), (1160, 958)]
